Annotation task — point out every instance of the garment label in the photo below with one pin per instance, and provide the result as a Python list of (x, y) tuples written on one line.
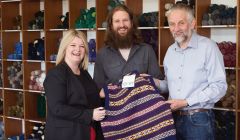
[(128, 81)]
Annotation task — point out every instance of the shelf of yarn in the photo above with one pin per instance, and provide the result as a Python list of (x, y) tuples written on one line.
[(14, 75), (228, 49), (229, 101), (212, 21), (220, 14), (36, 129), (36, 112), (13, 104), (225, 124)]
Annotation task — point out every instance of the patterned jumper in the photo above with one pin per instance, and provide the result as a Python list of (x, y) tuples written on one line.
[(138, 113)]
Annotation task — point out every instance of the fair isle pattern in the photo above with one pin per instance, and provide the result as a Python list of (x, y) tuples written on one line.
[(123, 90), (152, 119), (131, 94), (150, 130), (164, 135), (132, 105), (138, 113)]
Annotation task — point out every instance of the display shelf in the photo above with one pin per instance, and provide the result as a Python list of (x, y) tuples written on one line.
[(31, 112), (9, 39), (218, 26), (162, 11), (147, 28), (150, 36), (29, 8), (52, 17), (13, 127), (13, 104), (225, 33), (100, 39), (101, 16), (101, 12), (29, 127), (52, 43), (229, 101), (225, 122), (12, 75), (29, 67), (8, 18), (224, 109), (29, 37), (165, 39), (74, 10), (136, 6)]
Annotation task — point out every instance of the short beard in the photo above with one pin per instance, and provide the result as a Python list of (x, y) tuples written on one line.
[(183, 38), (180, 39), (122, 42)]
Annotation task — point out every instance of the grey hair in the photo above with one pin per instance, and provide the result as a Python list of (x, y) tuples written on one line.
[(184, 7)]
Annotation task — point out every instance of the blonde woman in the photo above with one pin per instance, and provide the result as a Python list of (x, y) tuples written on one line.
[(74, 105)]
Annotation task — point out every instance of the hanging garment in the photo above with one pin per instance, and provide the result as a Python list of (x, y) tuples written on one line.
[(137, 113)]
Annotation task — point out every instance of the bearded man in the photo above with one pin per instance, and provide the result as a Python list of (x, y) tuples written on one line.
[(195, 76), (124, 51)]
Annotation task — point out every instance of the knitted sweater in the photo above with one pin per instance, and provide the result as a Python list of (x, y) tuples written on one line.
[(138, 113)]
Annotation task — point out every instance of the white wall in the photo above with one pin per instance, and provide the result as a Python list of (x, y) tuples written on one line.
[(150, 6)]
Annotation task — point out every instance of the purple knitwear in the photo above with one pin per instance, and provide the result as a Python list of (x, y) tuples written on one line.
[(138, 113)]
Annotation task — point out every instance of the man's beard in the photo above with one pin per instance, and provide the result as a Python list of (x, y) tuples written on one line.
[(182, 38), (122, 42)]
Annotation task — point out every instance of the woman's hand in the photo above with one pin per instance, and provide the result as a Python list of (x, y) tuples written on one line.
[(102, 93), (99, 114)]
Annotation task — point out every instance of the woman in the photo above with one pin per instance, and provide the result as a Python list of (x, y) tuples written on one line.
[(72, 96)]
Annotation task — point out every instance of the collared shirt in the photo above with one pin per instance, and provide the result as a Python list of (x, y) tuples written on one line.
[(110, 65), (196, 73)]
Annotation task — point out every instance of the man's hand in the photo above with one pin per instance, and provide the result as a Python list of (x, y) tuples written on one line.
[(177, 104), (156, 81)]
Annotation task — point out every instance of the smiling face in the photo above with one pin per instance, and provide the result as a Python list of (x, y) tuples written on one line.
[(75, 51), (180, 26), (121, 23)]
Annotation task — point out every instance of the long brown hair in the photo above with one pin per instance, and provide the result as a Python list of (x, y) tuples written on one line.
[(136, 35)]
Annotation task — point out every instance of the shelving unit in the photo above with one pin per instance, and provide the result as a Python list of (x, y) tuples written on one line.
[(9, 9)]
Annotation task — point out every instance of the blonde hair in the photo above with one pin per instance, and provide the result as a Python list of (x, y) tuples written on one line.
[(66, 40)]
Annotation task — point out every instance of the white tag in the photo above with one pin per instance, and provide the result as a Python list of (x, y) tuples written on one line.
[(128, 81)]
